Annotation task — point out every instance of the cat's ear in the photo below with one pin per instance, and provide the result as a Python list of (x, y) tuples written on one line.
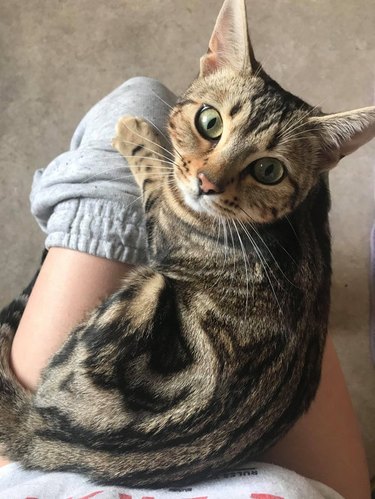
[(343, 133), (230, 43)]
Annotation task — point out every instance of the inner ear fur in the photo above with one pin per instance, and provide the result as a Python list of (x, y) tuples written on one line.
[(230, 42), (343, 133)]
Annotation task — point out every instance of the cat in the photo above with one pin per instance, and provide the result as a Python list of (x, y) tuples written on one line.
[(209, 355)]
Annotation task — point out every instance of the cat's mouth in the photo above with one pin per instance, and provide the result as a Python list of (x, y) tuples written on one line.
[(195, 200)]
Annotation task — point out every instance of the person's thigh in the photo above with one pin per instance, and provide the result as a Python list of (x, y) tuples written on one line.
[(325, 444)]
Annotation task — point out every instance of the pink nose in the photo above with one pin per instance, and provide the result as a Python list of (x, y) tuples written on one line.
[(206, 186)]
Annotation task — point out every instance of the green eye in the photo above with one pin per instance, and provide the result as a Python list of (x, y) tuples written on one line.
[(209, 123), (269, 171)]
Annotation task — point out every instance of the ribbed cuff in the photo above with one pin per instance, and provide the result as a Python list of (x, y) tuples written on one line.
[(99, 227)]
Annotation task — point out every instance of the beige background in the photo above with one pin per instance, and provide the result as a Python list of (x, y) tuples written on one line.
[(58, 57)]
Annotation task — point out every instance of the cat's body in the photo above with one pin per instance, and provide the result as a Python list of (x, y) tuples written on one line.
[(207, 357)]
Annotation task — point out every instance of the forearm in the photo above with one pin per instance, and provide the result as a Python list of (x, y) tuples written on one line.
[(70, 284)]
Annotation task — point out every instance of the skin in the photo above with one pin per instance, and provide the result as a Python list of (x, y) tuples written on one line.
[(326, 443), (322, 445), (83, 282)]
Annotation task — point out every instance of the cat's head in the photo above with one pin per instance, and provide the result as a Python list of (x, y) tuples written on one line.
[(245, 148)]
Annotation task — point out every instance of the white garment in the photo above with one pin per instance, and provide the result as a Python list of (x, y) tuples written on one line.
[(258, 481)]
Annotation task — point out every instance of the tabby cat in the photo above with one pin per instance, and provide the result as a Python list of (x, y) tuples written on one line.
[(206, 357)]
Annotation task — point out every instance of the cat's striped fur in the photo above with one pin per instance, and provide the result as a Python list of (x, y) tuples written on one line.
[(209, 355)]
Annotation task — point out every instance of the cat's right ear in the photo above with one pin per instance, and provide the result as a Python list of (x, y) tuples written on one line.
[(230, 43)]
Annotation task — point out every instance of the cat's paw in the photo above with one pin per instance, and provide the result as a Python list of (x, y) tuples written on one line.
[(135, 137), (138, 142)]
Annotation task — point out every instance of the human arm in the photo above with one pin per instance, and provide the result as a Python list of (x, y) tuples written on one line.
[(70, 285)]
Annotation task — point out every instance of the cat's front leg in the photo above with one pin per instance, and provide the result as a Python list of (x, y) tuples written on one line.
[(140, 145)]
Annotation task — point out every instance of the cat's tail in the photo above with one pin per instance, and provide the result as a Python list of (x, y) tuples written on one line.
[(14, 399)]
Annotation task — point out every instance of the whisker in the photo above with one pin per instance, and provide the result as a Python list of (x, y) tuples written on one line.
[(300, 134), (149, 140), (157, 128), (233, 251), (223, 267), (293, 229), (141, 196), (298, 122), (217, 218), (225, 234), (253, 227), (246, 261), (164, 169), (157, 153), (168, 162), (178, 152), (162, 174), (162, 100), (263, 263)]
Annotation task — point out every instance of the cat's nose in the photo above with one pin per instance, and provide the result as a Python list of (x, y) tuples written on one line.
[(206, 186)]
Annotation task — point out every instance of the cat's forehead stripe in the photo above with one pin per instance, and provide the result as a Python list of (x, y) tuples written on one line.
[(235, 109), (276, 137), (257, 119), (274, 140)]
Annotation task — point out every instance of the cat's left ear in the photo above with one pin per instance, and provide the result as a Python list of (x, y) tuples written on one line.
[(230, 43), (343, 133)]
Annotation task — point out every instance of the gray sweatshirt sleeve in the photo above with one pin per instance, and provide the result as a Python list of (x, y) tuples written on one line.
[(86, 199)]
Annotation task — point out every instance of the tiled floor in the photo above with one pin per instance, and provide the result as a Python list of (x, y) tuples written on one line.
[(58, 57)]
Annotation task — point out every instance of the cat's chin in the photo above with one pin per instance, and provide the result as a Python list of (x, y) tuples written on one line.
[(197, 203), (194, 202)]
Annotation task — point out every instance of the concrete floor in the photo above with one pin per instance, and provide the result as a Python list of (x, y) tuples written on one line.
[(58, 57)]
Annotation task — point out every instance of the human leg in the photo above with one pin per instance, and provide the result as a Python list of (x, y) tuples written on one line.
[(325, 444)]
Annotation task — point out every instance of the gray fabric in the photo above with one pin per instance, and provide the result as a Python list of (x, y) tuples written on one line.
[(86, 199)]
